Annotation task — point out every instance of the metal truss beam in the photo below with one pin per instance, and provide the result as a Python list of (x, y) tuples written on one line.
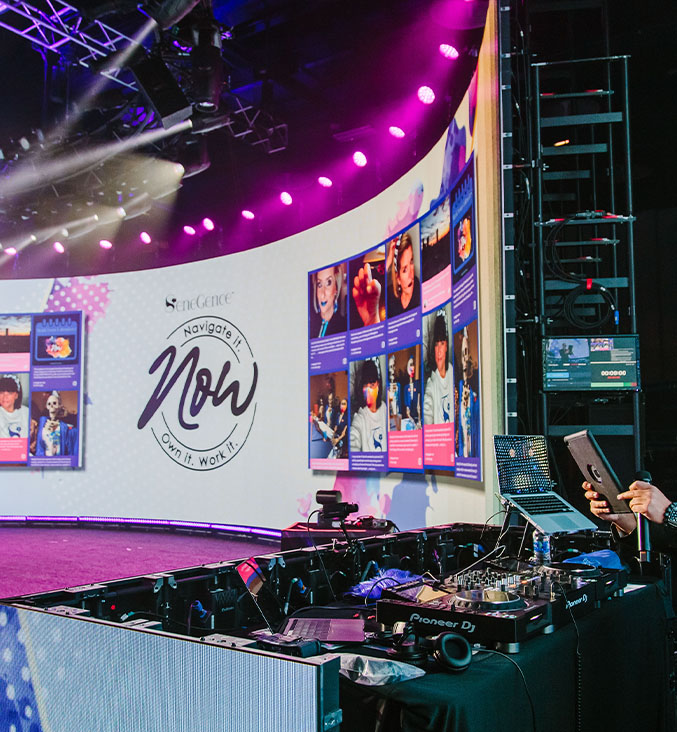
[(57, 26)]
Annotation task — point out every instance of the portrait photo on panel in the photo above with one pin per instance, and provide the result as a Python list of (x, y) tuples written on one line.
[(367, 286), (438, 389), (329, 415), (327, 299), (466, 395)]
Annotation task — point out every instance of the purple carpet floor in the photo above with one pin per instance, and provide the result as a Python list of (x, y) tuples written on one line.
[(36, 560)]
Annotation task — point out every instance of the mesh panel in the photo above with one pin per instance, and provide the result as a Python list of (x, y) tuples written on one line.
[(522, 463)]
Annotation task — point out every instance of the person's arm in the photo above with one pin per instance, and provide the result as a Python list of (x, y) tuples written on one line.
[(367, 295), (428, 403), (643, 498), (648, 500), (624, 522), (355, 434)]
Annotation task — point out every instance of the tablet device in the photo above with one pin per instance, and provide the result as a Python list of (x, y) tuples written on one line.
[(596, 469)]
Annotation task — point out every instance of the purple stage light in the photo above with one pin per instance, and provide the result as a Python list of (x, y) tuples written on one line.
[(105, 244), (188, 229), (426, 95), (145, 237), (360, 159), (246, 214), (325, 182), (58, 247), (396, 131), (208, 224), (190, 524), (10, 251), (448, 51), (169, 523), (286, 198)]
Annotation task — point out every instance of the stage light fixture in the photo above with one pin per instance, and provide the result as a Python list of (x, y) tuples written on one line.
[(207, 64), (325, 182), (286, 198), (448, 51), (426, 95), (105, 244), (395, 131), (560, 143), (10, 251), (246, 214), (360, 159), (194, 156), (58, 247), (145, 237), (162, 91), (190, 230), (208, 224)]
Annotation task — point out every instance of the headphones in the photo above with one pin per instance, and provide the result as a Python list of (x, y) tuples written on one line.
[(450, 651)]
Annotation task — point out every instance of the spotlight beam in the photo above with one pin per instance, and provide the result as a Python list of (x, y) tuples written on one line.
[(106, 66), (28, 178)]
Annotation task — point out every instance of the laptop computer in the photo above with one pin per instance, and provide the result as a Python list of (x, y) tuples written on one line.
[(311, 625), (524, 482)]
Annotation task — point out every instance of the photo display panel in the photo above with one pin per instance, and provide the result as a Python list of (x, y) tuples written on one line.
[(393, 334), (465, 326), (41, 368)]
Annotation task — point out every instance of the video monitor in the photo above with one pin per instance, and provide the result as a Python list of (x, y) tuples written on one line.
[(590, 363)]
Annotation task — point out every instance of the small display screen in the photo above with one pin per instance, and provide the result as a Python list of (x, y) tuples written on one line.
[(575, 363)]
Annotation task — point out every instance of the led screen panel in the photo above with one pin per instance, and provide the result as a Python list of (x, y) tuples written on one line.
[(41, 389)]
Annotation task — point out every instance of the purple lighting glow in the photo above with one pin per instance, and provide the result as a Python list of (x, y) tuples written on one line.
[(396, 132), (360, 159), (286, 198), (145, 237), (188, 229), (246, 214), (448, 51), (58, 247), (325, 182), (105, 244), (10, 251), (208, 224), (426, 95)]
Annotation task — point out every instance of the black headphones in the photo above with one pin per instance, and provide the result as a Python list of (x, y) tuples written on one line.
[(450, 651)]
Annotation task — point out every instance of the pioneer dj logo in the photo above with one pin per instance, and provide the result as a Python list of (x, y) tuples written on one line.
[(579, 601), (464, 625), (202, 406)]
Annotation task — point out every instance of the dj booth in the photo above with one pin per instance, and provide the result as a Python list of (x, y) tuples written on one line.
[(614, 675), (554, 648)]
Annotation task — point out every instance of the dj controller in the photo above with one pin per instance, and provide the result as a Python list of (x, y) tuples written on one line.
[(500, 604)]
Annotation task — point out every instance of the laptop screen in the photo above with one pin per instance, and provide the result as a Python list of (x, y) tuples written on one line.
[(522, 464), (251, 574)]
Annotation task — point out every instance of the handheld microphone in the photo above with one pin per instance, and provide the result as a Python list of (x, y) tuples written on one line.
[(643, 538)]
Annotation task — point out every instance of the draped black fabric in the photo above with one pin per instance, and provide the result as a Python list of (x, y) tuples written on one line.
[(618, 680)]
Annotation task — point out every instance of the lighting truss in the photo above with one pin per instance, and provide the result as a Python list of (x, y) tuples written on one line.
[(256, 127), (59, 27)]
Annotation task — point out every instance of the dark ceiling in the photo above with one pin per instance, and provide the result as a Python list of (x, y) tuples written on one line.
[(319, 79)]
